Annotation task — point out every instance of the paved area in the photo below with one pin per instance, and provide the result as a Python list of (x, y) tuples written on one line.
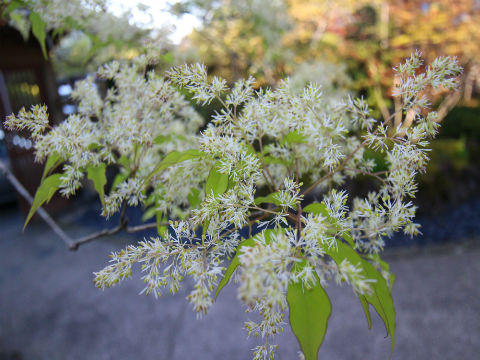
[(49, 309)]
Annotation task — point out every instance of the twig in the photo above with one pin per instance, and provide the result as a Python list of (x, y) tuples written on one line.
[(96, 235), (43, 214), (71, 243), (132, 229), (113, 231), (448, 104), (366, 173)]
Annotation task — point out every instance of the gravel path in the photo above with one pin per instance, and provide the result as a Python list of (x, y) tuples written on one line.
[(49, 308)]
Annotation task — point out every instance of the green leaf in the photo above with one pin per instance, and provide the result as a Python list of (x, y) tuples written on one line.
[(94, 146), (384, 266), (270, 198), (52, 162), (321, 209), (309, 311), (343, 251), (233, 265), (44, 193), (99, 178), (124, 161), (269, 160), (217, 182), (366, 309), (231, 183), (160, 139), (381, 299), (14, 5), (293, 137), (194, 198), (161, 229), (173, 158), (39, 27), (149, 213), (119, 178), (348, 238), (317, 209), (235, 261)]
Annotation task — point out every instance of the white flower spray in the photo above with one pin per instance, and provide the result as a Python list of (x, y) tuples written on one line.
[(267, 142)]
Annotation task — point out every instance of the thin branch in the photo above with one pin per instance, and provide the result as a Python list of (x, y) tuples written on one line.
[(41, 212), (263, 210), (366, 173), (71, 243), (132, 229), (113, 231), (96, 235), (448, 104)]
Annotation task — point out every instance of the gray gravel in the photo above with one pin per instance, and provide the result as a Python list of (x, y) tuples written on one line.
[(49, 308)]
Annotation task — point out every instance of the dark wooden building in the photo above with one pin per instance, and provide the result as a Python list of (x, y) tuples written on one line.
[(26, 78)]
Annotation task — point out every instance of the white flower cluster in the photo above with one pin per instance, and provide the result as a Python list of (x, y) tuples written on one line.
[(131, 128), (166, 261), (265, 142), (90, 15), (35, 121)]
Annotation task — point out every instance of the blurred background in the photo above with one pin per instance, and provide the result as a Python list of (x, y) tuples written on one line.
[(48, 306)]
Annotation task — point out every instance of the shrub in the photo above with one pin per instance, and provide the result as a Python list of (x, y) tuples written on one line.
[(279, 143)]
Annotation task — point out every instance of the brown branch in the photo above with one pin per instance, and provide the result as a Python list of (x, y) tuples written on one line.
[(448, 104), (71, 243), (366, 173), (96, 235), (113, 231), (41, 212), (132, 229)]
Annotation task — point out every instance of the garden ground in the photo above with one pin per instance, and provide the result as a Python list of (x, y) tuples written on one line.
[(50, 309)]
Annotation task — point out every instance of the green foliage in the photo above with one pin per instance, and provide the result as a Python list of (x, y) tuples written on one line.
[(321, 209), (380, 298), (53, 162), (270, 199), (293, 137), (217, 182), (366, 309), (173, 158), (310, 310), (39, 27), (194, 198), (317, 209), (233, 266), (99, 178), (235, 263), (160, 219), (44, 193)]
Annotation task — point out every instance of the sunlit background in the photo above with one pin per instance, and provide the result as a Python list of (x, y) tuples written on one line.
[(156, 14)]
